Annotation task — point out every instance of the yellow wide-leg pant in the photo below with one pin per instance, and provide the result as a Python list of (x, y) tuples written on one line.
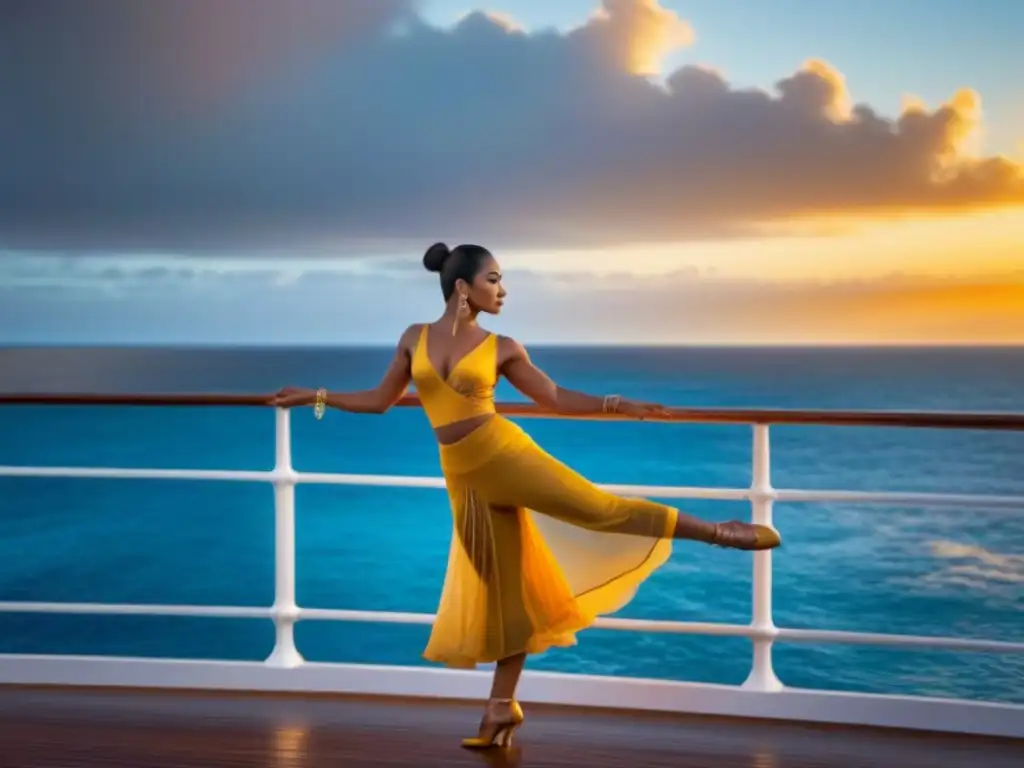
[(518, 581)]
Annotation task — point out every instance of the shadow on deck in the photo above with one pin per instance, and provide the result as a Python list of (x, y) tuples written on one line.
[(88, 729)]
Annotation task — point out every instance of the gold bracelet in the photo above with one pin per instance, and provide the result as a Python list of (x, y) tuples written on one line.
[(610, 404), (321, 403)]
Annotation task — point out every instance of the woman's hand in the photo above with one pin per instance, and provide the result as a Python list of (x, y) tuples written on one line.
[(290, 397), (642, 411)]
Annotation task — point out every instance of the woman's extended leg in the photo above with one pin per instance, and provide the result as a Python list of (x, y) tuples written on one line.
[(535, 480)]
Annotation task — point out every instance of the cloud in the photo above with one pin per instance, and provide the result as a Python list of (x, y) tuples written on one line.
[(189, 301), (342, 125), (636, 34)]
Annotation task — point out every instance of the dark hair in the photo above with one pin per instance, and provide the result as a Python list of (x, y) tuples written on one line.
[(461, 263)]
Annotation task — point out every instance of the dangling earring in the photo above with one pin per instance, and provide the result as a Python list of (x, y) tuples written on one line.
[(463, 311)]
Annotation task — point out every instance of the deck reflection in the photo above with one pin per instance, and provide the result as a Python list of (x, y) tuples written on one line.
[(46, 728)]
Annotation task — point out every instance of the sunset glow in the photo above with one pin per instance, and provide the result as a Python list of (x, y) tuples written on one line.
[(982, 245), (646, 172)]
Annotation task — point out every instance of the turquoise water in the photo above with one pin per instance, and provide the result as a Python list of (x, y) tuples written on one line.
[(847, 567)]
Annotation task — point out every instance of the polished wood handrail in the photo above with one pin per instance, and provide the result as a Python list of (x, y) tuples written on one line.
[(924, 419)]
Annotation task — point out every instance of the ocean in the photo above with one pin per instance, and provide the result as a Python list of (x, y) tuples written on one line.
[(948, 571)]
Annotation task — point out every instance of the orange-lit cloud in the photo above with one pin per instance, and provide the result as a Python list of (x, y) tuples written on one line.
[(341, 126), (504, 20), (638, 34), (823, 87)]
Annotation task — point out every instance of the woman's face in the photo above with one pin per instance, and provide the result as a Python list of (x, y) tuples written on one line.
[(486, 293)]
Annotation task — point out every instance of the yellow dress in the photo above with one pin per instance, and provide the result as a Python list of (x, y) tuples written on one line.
[(538, 551)]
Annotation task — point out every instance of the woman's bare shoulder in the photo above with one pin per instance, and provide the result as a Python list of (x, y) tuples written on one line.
[(509, 348), (411, 335)]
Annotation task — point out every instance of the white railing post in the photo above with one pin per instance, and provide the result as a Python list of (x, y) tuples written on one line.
[(762, 674), (285, 611)]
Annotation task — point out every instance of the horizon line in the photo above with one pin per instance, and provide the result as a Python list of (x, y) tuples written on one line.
[(1014, 345)]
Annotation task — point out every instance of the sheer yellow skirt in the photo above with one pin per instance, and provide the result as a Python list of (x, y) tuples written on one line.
[(518, 581)]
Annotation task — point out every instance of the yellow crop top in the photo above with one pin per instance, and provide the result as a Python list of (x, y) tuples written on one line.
[(469, 389)]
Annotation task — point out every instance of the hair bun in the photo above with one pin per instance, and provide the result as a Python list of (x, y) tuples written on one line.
[(436, 256)]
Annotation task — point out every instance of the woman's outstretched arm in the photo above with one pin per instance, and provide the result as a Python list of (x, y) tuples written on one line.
[(518, 368), (377, 400)]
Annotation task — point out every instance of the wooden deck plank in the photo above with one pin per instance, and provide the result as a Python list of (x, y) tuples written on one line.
[(87, 729)]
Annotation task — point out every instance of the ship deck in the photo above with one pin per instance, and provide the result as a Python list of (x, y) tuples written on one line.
[(118, 729)]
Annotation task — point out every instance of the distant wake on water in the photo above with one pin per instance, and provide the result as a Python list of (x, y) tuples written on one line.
[(976, 567)]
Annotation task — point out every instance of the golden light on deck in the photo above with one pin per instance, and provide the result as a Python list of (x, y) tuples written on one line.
[(290, 747)]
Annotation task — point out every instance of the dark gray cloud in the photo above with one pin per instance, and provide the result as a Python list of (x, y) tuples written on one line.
[(337, 124)]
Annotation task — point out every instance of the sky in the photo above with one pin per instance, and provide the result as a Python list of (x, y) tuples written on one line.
[(703, 172)]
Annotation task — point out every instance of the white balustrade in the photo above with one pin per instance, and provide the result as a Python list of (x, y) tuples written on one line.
[(761, 695), (762, 675), (285, 611)]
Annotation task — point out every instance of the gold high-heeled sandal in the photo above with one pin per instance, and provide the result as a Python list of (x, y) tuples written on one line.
[(739, 535), (497, 730)]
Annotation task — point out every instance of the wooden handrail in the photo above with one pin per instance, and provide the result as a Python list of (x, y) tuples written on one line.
[(925, 419)]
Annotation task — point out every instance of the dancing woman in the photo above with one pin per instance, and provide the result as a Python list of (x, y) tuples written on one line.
[(537, 551)]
